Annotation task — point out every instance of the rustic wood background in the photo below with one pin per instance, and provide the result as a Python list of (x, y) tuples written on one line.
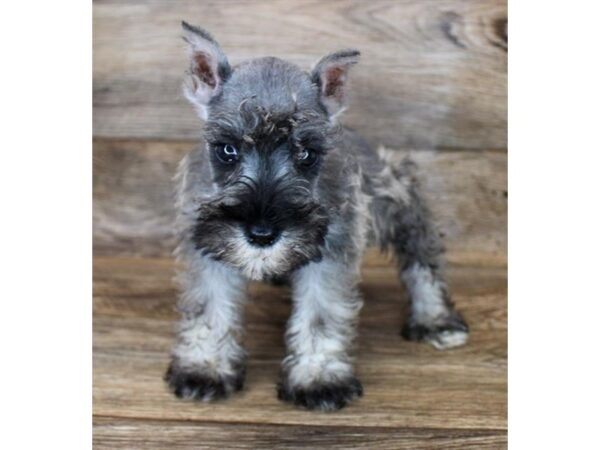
[(433, 72), (432, 83)]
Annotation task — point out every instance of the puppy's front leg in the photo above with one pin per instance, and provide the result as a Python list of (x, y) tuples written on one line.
[(207, 360), (317, 372)]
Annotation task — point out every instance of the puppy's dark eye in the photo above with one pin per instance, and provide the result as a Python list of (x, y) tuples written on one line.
[(226, 153), (307, 157)]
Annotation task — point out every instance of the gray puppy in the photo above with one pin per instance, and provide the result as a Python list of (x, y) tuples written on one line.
[(281, 191)]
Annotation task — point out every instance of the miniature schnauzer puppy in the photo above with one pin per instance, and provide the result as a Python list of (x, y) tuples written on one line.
[(281, 191)]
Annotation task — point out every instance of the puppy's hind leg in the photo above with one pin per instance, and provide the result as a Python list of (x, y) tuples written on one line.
[(403, 224)]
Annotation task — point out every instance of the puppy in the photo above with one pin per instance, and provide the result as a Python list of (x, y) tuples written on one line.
[(281, 191)]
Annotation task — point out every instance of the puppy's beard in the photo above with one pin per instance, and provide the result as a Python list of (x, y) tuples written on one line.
[(227, 242), (258, 263)]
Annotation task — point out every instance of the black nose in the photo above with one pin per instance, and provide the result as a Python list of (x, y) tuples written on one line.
[(262, 235)]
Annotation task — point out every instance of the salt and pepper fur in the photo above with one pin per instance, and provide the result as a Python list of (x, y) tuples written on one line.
[(327, 215)]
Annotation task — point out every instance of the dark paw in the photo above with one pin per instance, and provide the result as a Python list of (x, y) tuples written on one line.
[(197, 386), (450, 332), (279, 280), (324, 397)]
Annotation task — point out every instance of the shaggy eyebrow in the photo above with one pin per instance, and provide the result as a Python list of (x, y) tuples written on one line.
[(216, 134), (310, 139)]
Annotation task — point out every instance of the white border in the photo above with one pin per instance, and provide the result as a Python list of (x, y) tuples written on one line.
[(45, 188), (554, 226)]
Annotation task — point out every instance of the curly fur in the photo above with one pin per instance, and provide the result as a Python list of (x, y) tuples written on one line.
[(325, 216)]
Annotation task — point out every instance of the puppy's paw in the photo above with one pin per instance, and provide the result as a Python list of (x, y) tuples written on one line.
[(325, 397), (188, 384), (449, 332)]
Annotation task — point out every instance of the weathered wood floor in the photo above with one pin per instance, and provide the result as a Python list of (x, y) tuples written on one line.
[(432, 82), (415, 396)]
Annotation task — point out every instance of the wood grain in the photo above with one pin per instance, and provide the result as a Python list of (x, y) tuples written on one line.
[(407, 385), (133, 202), (432, 75), (112, 433)]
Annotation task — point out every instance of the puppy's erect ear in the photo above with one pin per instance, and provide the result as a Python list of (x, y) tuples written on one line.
[(209, 68), (331, 75)]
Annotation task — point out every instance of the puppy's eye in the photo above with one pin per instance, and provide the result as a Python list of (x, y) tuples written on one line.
[(307, 157), (227, 154)]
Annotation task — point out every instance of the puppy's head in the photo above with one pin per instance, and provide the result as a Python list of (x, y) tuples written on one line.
[(268, 128)]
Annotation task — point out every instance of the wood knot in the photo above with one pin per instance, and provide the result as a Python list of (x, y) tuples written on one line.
[(451, 23), (500, 33), (501, 28)]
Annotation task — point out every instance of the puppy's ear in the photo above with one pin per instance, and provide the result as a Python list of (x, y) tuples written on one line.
[(209, 68), (331, 75)]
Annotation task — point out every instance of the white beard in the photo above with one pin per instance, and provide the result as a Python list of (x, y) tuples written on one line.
[(257, 263)]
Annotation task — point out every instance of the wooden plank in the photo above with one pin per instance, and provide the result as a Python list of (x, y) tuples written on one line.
[(112, 433), (407, 385), (433, 72), (139, 294), (133, 196), (133, 202)]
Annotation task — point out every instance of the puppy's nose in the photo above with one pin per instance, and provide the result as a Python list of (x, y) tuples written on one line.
[(262, 234)]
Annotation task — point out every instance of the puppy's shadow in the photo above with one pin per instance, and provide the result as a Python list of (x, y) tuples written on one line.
[(267, 312), (270, 305), (385, 308)]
